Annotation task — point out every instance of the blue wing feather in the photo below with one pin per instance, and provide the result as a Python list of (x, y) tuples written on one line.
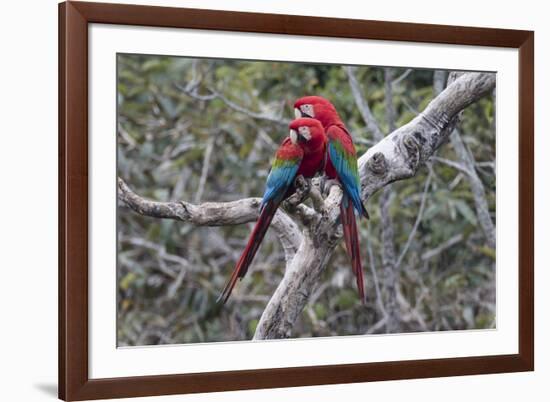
[(280, 179), (346, 167)]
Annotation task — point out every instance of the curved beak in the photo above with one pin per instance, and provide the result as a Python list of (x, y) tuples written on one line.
[(293, 136), (297, 113)]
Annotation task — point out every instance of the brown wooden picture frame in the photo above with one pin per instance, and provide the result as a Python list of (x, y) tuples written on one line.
[(74, 381)]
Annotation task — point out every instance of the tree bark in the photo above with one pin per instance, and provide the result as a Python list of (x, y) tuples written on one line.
[(396, 157), (214, 214), (476, 185)]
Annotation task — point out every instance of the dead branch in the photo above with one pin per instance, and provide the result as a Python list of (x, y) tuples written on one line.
[(476, 185), (397, 156), (214, 214)]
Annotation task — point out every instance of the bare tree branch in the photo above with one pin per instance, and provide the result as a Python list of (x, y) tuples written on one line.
[(362, 104), (262, 116), (455, 165), (372, 267), (402, 76), (303, 273), (213, 94), (467, 166), (442, 247), (390, 275), (391, 269), (388, 98), (205, 168), (476, 185), (439, 81), (398, 156), (214, 214), (478, 190), (418, 219), (161, 252)]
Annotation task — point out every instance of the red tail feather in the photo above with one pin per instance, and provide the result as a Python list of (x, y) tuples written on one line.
[(351, 238), (256, 237)]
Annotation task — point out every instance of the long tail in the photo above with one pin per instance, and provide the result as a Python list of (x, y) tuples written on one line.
[(256, 237), (351, 238), (364, 211)]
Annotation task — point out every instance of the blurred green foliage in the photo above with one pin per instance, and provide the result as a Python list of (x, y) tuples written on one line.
[(170, 273)]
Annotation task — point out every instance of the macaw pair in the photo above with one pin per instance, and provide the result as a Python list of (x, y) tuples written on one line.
[(318, 142)]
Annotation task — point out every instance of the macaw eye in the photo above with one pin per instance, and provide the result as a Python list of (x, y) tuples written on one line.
[(307, 110), (305, 132)]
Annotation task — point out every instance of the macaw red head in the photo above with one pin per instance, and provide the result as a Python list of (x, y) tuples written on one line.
[(316, 107), (308, 133)]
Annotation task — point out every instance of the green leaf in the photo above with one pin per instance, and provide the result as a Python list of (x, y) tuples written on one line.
[(252, 324), (466, 211), (127, 281), (347, 299), (320, 311), (488, 251)]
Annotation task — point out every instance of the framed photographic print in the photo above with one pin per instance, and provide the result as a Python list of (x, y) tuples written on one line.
[(259, 200)]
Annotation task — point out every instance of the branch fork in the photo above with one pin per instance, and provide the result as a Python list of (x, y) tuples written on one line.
[(397, 156)]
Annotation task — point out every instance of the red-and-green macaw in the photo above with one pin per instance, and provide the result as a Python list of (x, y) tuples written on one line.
[(341, 165), (301, 153)]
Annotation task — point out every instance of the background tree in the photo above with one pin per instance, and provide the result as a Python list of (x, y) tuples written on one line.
[(205, 130)]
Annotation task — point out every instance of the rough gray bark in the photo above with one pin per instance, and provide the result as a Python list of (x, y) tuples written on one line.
[(467, 161), (417, 221), (390, 311), (388, 98), (478, 190), (214, 214), (397, 156), (362, 104), (302, 274), (391, 269), (439, 81)]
